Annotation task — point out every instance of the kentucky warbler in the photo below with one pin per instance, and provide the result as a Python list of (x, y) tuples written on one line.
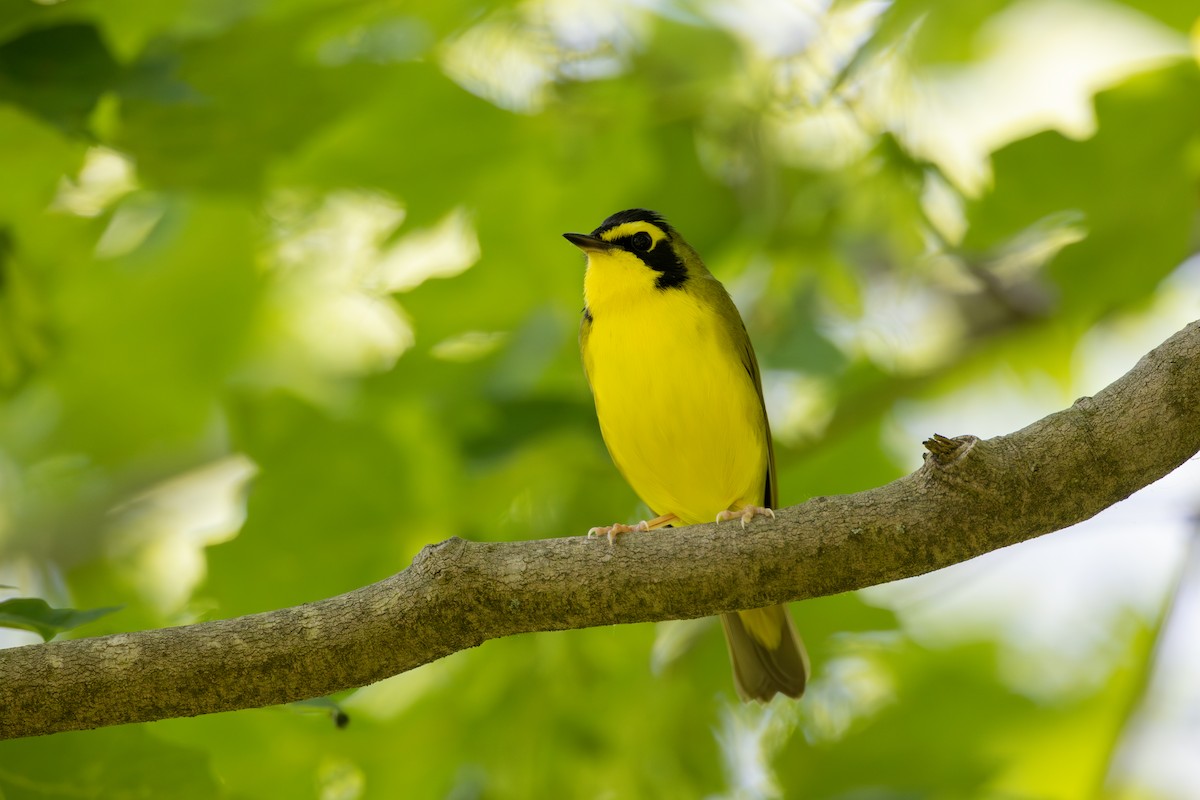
[(680, 405)]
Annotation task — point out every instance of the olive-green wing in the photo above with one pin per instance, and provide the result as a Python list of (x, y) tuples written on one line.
[(767, 653), (745, 350), (771, 490)]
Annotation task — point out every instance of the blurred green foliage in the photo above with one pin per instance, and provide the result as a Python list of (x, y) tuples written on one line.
[(283, 299)]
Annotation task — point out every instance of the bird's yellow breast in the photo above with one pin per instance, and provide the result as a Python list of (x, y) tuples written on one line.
[(678, 408)]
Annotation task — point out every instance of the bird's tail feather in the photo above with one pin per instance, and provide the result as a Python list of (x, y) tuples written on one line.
[(767, 654)]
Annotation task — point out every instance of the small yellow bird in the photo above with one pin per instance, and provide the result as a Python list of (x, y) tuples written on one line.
[(680, 404)]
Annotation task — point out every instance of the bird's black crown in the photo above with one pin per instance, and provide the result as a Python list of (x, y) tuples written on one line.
[(633, 215)]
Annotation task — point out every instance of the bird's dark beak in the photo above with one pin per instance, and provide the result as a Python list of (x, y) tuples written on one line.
[(588, 243)]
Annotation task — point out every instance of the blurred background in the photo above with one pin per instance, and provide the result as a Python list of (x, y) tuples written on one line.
[(283, 299)]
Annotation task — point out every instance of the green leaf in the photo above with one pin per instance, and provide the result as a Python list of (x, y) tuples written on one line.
[(35, 614), (58, 73)]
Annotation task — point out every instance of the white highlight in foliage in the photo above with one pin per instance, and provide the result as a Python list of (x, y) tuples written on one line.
[(1042, 62), (850, 687), (513, 59), (336, 269), (332, 315), (750, 736), (799, 406), (774, 28), (943, 208), (159, 537), (468, 346), (131, 224), (105, 176), (501, 62), (903, 326), (443, 251)]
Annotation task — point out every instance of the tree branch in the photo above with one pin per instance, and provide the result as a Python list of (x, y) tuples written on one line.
[(970, 497)]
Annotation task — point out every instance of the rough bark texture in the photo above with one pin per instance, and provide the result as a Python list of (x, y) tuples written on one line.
[(971, 496)]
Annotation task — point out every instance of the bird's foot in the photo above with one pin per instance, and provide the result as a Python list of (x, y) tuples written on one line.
[(613, 531), (746, 514)]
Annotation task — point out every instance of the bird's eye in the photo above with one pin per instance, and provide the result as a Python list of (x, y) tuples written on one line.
[(642, 241)]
